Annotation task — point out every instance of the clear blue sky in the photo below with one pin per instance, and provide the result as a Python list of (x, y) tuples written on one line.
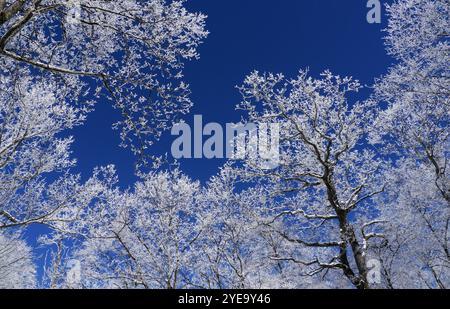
[(246, 35)]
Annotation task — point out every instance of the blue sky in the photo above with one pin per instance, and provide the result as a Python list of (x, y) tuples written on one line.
[(281, 36), (246, 35)]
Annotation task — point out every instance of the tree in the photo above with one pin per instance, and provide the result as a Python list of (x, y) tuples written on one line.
[(31, 117), (417, 88), (54, 55), (17, 270), (327, 174), (358, 186), (143, 238), (414, 129), (169, 233), (133, 50), (235, 251), (414, 253)]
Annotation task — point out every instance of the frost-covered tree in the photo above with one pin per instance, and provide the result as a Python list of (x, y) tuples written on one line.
[(327, 173), (131, 51), (361, 191), (414, 129), (236, 248), (31, 117), (414, 252), (17, 270), (167, 233), (417, 88), (145, 237), (56, 54)]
